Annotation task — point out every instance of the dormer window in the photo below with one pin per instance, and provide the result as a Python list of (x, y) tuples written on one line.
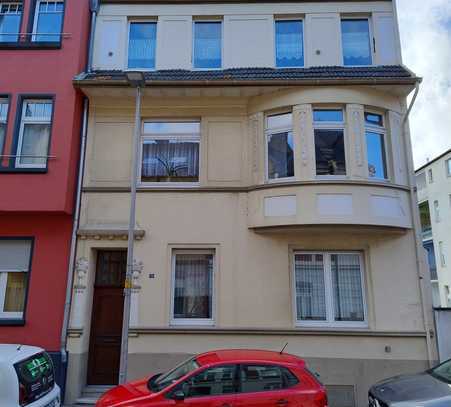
[(142, 44), (355, 37), (10, 16), (289, 43), (207, 45)]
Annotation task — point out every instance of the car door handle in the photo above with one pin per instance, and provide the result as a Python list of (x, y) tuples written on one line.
[(282, 402)]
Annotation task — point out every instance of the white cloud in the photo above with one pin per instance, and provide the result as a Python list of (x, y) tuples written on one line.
[(425, 27)]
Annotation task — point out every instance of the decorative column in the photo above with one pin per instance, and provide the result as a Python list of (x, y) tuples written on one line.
[(138, 268), (79, 300), (356, 157), (400, 174), (257, 137), (304, 142)]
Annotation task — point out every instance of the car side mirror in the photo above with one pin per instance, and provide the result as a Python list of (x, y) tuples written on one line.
[(178, 395)]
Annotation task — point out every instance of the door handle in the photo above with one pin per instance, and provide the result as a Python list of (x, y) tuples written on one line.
[(282, 402)]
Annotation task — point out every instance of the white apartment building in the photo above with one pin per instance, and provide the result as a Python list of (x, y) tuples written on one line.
[(434, 199), (275, 192)]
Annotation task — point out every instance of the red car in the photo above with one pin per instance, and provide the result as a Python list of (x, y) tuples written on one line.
[(225, 378)]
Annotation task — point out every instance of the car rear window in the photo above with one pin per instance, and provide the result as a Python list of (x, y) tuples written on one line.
[(36, 377)]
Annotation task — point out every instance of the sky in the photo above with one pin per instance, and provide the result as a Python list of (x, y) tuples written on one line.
[(425, 27)]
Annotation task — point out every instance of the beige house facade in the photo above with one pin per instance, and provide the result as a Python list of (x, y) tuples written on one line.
[(275, 196), (434, 199)]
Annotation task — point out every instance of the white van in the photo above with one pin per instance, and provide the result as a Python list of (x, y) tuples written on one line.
[(27, 377)]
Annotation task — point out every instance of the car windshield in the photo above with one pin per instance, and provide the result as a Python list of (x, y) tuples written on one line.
[(443, 371), (163, 381)]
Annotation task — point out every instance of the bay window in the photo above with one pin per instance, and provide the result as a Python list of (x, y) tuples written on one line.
[(355, 37), (10, 17), (3, 118), (170, 152), (34, 133), (289, 43), (329, 142), (15, 255), (192, 287), (48, 21), (329, 289), (279, 146), (375, 145), (142, 44), (207, 48)]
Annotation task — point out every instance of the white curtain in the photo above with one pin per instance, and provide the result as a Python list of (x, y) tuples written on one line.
[(193, 285), (35, 143)]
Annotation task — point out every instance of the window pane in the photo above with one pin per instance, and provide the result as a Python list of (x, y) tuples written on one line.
[(356, 42), (211, 382), (429, 247), (49, 21), (347, 287), (280, 155), (38, 110), (174, 160), (310, 289), (141, 46), (10, 15), (425, 218), (15, 292), (289, 44), (330, 152), (256, 378), (207, 45), (374, 119), (279, 121), (172, 127), (375, 146), (448, 167), (193, 286), (328, 115), (15, 255), (35, 144)]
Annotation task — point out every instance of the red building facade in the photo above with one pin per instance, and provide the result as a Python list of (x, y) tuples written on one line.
[(43, 45)]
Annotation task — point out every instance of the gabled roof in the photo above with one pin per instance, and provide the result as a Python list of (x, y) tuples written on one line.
[(333, 75), (425, 165)]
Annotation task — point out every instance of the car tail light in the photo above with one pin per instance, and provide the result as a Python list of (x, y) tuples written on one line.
[(22, 395), (321, 399)]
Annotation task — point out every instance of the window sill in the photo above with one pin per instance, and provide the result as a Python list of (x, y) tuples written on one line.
[(29, 45), (12, 322), (187, 323), (13, 170)]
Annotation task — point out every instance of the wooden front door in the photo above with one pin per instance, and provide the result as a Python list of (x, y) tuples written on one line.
[(106, 320)]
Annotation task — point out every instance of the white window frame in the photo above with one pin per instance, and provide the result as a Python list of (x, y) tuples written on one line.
[(193, 321), (448, 167), (3, 284), (129, 23), (331, 126), (430, 176), (193, 40), (329, 294), (293, 18), (436, 211), (381, 131), (4, 119), (194, 137), (36, 18), (441, 254), (33, 120), (370, 33), (14, 8), (268, 134)]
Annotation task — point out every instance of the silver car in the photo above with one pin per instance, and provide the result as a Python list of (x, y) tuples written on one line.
[(428, 389)]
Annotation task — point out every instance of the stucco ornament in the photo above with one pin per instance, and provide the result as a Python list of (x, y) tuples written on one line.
[(81, 269), (138, 267)]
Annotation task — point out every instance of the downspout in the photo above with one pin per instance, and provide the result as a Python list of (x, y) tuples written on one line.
[(73, 245), (94, 7), (417, 226)]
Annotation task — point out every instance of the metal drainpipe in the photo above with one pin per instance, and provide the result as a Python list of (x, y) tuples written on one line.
[(94, 6), (416, 221), (73, 246)]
